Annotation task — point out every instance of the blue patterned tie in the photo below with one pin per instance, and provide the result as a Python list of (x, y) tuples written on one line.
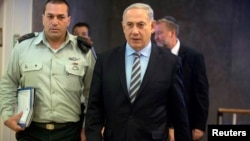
[(135, 77)]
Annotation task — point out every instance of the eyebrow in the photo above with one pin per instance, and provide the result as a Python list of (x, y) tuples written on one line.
[(56, 14)]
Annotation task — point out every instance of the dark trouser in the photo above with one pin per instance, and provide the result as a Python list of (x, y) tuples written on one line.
[(34, 133), (80, 123), (82, 114)]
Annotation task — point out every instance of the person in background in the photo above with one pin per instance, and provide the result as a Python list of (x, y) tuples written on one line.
[(51, 62), (82, 29), (194, 74), (132, 98)]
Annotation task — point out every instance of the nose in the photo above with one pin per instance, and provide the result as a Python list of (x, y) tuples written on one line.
[(54, 21), (135, 30)]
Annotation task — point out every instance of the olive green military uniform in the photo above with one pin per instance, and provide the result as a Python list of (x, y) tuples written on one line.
[(59, 77)]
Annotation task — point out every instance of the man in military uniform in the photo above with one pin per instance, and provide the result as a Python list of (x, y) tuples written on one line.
[(52, 63)]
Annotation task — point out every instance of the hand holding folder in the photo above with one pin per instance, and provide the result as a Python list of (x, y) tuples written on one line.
[(25, 102)]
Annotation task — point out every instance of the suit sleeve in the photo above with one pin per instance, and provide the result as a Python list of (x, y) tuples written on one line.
[(95, 109), (201, 90), (177, 107)]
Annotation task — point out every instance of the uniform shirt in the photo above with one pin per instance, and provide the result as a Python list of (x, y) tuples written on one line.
[(59, 77)]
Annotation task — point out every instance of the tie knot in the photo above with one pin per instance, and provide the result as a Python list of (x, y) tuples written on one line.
[(137, 54)]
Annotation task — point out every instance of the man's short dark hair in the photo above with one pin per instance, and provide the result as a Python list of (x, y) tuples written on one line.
[(57, 2), (81, 24)]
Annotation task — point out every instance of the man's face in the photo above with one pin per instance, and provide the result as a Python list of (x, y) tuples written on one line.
[(137, 28), (162, 35), (81, 31), (56, 21)]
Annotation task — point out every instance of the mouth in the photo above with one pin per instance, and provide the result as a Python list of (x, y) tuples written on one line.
[(54, 30), (135, 39)]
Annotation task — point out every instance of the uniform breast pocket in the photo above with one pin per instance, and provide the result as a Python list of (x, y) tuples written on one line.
[(74, 76), (30, 75)]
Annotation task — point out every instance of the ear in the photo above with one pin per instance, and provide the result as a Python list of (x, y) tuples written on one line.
[(69, 20), (172, 33), (123, 26), (153, 25), (43, 16)]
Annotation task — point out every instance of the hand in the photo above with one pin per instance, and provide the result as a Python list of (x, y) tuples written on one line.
[(83, 136), (102, 132), (87, 40), (12, 122), (171, 134), (197, 134)]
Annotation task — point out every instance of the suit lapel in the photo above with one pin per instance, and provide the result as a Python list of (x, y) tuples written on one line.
[(148, 74), (150, 69), (182, 53), (121, 69)]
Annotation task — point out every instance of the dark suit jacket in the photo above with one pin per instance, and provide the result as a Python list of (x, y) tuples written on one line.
[(160, 94), (196, 86)]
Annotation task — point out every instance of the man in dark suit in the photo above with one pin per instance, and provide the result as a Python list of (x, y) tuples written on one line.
[(194, 74), (115, 103)]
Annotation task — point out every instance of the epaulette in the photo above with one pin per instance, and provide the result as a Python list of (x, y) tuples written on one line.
[(26, 36), (83, 45)]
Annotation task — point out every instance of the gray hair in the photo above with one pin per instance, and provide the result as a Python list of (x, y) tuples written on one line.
[(171, 23), (147, 7)]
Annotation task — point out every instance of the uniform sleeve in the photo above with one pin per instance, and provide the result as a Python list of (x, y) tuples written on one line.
[(9, 84), (88, 79)]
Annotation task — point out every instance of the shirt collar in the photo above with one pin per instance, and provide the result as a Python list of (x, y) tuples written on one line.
[(69, 39), (145, 51), (176, 48)]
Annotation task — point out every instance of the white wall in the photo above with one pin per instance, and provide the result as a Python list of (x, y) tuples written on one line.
[(1, 25), (15, 18)]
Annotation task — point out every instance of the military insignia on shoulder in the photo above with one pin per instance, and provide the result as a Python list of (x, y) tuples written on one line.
[(26, 36), (83, 44)]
